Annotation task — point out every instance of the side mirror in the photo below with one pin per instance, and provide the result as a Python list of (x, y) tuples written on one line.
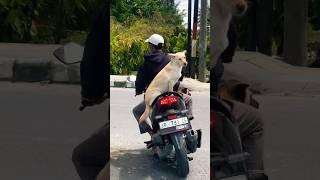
[(70, 53)]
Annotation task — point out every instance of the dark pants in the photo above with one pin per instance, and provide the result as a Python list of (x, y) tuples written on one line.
[(251, 127), (91, 155)]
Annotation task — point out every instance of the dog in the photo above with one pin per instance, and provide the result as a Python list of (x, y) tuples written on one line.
[(221, 14), (164, 81), (238, 91)]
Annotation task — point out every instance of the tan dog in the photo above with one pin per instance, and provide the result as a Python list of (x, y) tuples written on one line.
[(238, 91), (164, 81)]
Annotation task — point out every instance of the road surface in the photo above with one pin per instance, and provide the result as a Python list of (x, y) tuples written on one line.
[(40, 126)]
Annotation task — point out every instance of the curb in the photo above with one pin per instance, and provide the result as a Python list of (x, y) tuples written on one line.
[(38, 70), (35, 63), (121, 81), (124, 82)]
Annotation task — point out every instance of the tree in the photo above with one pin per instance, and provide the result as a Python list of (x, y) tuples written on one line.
[(45, 21), (295, 28), (133, 21), (125, 10)]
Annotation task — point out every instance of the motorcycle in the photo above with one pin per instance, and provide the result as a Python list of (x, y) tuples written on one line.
[(173, 137), (227, 156)]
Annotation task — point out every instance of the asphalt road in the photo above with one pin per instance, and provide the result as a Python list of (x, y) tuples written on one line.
[(129, 158), (39, 127), (292, 148)]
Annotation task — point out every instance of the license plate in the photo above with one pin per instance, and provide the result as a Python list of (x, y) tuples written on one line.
[(174, 125)]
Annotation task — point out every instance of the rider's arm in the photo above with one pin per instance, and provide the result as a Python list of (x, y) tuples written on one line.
[(94, 64), (176, 86), (140, 83)]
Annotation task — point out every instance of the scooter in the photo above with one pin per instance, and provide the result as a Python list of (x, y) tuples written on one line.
[(173, 137), (227, 156)]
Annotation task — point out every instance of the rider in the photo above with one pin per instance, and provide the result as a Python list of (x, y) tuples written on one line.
[(249, 119), (152, 65)]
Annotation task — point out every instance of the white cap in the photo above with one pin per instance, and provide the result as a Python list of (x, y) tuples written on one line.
[(155, 39)]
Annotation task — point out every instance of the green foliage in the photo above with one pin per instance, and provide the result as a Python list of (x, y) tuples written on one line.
[(41, 21), (132, 22), (125, 10)]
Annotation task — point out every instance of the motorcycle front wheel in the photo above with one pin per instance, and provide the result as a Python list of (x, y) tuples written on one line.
[(181, 154)]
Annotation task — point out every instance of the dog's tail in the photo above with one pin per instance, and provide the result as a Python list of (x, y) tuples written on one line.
[(145, 115)]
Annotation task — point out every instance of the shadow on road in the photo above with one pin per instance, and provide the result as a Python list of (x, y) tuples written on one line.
[(139, 164)]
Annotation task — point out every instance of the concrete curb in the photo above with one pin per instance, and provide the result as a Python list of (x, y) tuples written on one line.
[(34, 63), (124, 82), (121, 81), (38, 70)]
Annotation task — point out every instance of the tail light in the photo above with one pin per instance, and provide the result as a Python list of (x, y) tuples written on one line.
[(168, 100), (173, 116)]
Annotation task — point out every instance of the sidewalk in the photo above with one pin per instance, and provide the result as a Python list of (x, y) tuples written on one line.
[(36, 63), (126, 82), (268, 75)]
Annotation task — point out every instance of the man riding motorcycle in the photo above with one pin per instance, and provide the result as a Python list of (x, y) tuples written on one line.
[(152, 65)]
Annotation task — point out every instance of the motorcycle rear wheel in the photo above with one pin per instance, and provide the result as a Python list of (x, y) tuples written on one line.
[(181, 154)]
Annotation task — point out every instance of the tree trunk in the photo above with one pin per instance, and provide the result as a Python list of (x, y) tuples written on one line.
[(295, 32)]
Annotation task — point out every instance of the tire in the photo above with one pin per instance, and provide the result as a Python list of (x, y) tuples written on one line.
[(181, 154)]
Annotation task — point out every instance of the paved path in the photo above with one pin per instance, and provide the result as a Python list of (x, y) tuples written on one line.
[(40, 126), (292, 136)]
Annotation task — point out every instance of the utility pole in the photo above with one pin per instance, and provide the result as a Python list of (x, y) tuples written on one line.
[(295, 32), (188, 70), (194, 38), (211, 36), (203, 41)]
